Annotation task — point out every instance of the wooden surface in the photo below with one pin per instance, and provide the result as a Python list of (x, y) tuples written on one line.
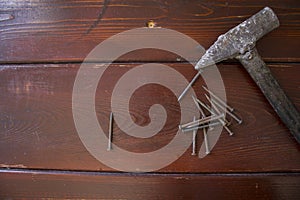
[(37, 121), (39, 184), (41, 155), (35, 34)]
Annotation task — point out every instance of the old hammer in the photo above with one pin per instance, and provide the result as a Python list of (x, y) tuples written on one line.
[(239, 43)]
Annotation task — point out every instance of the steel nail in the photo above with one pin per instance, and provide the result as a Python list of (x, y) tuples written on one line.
[(189, 85), (224, 122), (4, 17), (110, 131), (228, 130), (199, 108), (217, 111), (210, 110), (218, 99), (239, 121), (202, 121), (193, 123), (194, 140), (201, 127), (206, 107), (207, 150)]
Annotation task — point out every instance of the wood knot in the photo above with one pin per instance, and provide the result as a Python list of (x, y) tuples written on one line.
[(151, 24)]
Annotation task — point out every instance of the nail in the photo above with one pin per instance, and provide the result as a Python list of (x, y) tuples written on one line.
[(4, 17), (199, 108), (210, 110), (228, 130), (202, 121), (216, 110), (180, 128), (194, 122), (207, 151), (110, 131), (194, 140), (224, 122), (206, 107), (189, 85), (239, 121), (218, 99), (201, 127)]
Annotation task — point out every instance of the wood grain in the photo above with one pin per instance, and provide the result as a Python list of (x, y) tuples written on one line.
[(41, 154), (45, 184), (66, 31), (37, 129)]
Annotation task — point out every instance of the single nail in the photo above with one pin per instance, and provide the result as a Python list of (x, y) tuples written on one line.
[(202, 121), (239, 121), (189, 85), (228, 130), (194, 140), (218, 99), (201, 127), (198, 106), (110, 131), (4, 17), (207, 150)]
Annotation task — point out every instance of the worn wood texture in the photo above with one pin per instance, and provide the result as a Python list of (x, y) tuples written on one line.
[(39, 184), (37, 128), (60, 31), (41, 154)]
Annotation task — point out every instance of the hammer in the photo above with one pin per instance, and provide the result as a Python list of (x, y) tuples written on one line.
[(239, 43)]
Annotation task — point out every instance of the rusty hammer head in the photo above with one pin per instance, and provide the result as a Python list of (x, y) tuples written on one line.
[(239, 43), (240, 39)]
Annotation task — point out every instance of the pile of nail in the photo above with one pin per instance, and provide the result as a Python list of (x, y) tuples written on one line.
[(218, 110)]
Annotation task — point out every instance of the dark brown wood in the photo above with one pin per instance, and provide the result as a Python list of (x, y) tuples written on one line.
[(37, 129), (48, 31), (41, 155), (45, 184)]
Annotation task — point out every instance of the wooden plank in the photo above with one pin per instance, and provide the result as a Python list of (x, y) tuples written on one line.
[(45, 184), (37, 129), (51, 31)]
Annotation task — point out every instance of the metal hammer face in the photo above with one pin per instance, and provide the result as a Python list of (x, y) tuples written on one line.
[(239, 43), (240, 39)]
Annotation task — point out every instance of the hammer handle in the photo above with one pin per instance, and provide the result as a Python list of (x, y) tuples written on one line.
[(263, 77)]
